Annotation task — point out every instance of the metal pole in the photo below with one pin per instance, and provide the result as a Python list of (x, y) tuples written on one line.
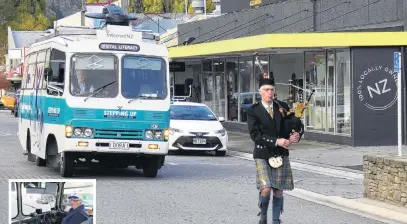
[(205, 8), (397, 68)]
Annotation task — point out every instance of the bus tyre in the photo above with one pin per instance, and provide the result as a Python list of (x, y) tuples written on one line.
[(31, 157), (40, 162), (151, 166), (66, 165)]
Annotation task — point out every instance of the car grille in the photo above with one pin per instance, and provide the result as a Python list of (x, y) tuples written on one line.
[(187, 141), (118, 134)]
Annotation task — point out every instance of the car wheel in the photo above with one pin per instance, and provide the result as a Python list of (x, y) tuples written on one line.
[(220, 153)]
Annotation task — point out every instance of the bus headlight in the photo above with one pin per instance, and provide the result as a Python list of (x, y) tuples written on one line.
[(88, 132), (158, 134), (149, 134), (77, 132)]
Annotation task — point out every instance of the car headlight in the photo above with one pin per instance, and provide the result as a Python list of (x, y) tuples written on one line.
[(221, 132), (175, 130), (149, 134)]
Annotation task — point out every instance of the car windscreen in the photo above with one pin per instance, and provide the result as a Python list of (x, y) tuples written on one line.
[(187, 112)]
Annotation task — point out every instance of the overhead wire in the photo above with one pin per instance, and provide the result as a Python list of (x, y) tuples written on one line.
[(217, 37), (240, 26), (325, 10), (305, 10), (369, 4)]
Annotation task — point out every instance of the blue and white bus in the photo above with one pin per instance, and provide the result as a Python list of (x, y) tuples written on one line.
[(95, 95)]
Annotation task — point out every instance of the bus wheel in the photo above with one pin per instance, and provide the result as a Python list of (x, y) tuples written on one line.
[(31, 157), (66, 165), (151, 166), (40, 162)]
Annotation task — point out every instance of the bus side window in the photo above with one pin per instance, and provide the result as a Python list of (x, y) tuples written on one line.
[(56, 73)]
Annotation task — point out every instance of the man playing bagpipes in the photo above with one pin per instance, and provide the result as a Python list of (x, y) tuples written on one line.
[(272, 135)]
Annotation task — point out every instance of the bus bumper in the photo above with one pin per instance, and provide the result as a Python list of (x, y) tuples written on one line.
[(115, 146)]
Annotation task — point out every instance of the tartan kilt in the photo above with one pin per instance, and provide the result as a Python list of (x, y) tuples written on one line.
[(280, 178)]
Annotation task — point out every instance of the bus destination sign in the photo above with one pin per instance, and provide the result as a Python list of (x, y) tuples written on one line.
[(119, 47)]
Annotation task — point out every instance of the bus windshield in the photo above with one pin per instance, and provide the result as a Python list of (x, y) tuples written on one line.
[(92, 71), (144, 77)]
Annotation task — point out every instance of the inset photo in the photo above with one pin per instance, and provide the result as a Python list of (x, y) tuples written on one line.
[(49, 201)]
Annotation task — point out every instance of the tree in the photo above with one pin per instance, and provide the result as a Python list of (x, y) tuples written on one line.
[(153, 6), (30, 16), (4, 83), (178, 6), (95, 1), (210, 6)]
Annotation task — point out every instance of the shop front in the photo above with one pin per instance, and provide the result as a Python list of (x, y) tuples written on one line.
[(343, 109)]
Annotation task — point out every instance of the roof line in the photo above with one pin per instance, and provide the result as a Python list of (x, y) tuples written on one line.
[(291, 40)]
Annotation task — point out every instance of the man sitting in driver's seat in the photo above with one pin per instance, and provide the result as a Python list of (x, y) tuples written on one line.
[(77, 213), (82, 85)]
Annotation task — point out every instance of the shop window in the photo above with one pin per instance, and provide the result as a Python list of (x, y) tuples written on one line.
[(284, 67), (316, 74), (232, 76), (246, 85), (343, 92), (207, 81), (330, 92), (219, 76)]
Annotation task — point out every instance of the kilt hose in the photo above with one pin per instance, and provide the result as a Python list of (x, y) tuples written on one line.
[(280, 178)]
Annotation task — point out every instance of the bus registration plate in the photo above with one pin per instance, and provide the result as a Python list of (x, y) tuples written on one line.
[(119, 145), (199, 141)]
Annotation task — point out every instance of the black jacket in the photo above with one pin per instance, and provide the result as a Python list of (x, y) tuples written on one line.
[(75, 216), (265, 131)]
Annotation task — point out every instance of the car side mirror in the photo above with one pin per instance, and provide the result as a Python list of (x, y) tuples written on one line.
[(221, 119)]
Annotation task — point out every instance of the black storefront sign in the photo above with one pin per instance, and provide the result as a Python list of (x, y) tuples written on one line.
[(374, 96), (177, 66)]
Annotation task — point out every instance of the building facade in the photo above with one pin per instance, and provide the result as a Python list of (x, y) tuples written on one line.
[(349, 106)]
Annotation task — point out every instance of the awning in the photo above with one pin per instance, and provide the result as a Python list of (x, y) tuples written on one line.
[(268, 42)]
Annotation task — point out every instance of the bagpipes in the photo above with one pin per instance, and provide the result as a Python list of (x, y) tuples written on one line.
[(291, 121)]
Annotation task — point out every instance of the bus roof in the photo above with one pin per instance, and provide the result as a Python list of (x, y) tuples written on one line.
[(117, 39)]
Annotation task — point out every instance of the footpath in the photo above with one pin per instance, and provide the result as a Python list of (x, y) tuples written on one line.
[(331, 175)]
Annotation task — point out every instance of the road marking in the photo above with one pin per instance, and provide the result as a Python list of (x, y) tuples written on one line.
[(3, 134), (354, 206), (211, 164), (309, 168)]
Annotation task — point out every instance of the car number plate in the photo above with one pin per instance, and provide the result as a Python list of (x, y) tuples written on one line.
[(199, 141), (119, 145)]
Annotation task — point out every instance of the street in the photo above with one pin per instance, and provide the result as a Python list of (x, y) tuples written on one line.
[(192, 188)]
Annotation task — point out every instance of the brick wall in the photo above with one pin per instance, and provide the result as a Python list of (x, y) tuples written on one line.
[(385, 179)]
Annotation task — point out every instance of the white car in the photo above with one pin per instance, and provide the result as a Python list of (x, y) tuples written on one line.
[(194, 126)]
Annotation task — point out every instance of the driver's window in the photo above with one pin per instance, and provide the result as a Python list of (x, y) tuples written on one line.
[(13, 199), (84, 190), (34, 197), (56, 71)]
